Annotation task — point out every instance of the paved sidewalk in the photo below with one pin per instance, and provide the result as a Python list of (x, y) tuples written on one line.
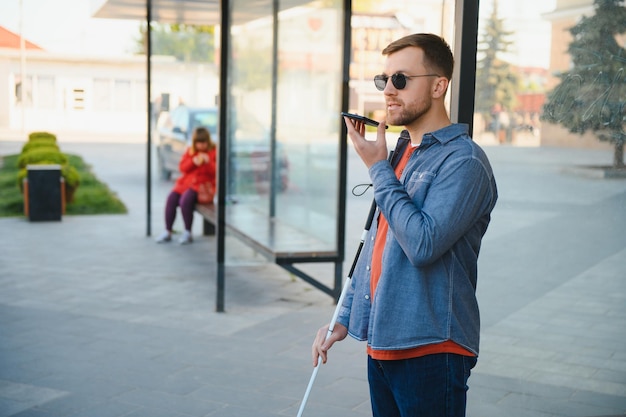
[(98, 320)]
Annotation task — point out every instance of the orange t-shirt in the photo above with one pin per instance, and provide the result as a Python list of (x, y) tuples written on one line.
[(379, 244)]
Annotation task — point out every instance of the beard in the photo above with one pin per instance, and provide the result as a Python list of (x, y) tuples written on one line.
[(409, 114)]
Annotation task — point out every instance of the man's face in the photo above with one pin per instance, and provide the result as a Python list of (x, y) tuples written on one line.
[(407, 105)]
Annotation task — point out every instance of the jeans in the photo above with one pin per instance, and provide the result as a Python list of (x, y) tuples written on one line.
[(428, 386)]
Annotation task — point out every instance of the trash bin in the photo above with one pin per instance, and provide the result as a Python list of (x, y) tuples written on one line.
[(44, 194)]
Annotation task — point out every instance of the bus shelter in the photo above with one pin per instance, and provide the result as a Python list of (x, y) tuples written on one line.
[(282, 80)]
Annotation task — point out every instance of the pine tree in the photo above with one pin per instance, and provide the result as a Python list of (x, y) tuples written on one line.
[(592, 94), (496, 83)]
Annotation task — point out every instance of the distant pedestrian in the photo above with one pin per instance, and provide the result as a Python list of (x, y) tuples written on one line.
[(197, 166)]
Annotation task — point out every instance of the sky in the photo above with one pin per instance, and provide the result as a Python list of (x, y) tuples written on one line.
[(66, 26)]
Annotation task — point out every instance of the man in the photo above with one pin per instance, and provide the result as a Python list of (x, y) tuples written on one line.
[(413, 292)]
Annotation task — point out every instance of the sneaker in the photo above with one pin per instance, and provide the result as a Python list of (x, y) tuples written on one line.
[(165, 237), (186, 238)]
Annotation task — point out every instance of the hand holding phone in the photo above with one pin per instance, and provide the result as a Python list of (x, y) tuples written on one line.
[(362, 119)]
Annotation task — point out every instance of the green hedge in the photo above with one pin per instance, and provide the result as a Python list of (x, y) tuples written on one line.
[(40, 143), (69, 173), (41, 149), (92, 197), (42, 155), (11, 200), (42, 135)]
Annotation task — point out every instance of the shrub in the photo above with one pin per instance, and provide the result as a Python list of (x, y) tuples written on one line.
[(89, 199), (7, 170), (78, 163), (11, 203), (40, 143), (42, 135), (42, 149), (92, 197), (44, 155), (70, 175)]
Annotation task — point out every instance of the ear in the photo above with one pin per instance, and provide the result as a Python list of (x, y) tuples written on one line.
[(440, 86)]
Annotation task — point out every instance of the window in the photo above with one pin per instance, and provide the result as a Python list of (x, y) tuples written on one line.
[(24, 91), (101, 94), (46, 92), (122, 95)]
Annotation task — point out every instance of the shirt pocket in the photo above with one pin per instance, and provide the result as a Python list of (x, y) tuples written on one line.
[(418, 183)]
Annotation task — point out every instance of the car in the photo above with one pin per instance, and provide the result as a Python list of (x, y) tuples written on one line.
[(249, 159)]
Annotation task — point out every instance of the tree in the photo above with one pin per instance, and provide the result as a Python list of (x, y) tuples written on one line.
[(188, 43), (253, 68), (496, 83), (592, 94)]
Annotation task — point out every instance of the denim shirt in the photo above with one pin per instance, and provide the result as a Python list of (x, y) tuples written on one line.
[(438, 212)]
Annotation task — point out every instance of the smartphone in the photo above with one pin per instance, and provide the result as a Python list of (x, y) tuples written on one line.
[(363, 119)]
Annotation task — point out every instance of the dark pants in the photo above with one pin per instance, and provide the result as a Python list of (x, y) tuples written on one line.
[(429, 386), (187, 203)]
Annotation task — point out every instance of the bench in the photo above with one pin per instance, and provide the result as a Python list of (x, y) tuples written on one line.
[(276, 240)]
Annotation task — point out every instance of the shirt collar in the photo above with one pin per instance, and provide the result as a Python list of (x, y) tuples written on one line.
[(443, 135)]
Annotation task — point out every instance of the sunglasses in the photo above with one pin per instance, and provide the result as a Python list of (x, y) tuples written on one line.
[(398, 80)]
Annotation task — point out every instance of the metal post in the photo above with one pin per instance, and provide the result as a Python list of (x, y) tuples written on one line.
[(465, 47), (222, 154), (149, 145), (274, 166), (343, 148)]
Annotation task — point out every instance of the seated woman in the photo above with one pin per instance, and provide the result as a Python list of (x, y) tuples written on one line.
[(197, 167)]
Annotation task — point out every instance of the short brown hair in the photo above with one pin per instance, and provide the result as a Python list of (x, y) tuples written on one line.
[(437, 54)]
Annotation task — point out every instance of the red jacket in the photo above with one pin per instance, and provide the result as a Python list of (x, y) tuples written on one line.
[(193, 175)]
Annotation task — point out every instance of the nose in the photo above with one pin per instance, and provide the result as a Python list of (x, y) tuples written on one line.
[(389, 88)]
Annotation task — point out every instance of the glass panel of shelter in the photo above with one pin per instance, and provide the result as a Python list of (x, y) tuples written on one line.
[(287, 135)]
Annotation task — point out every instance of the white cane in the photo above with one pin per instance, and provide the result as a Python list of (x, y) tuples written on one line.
[(331, 326)]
